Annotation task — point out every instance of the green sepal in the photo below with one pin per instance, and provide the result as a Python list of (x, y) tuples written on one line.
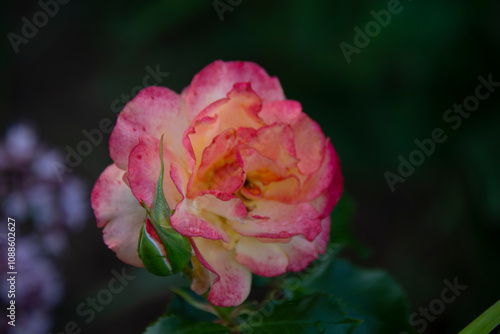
[(151, 254), (177, 246)]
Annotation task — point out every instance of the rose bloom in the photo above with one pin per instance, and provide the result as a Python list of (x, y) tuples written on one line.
[(251, 177)]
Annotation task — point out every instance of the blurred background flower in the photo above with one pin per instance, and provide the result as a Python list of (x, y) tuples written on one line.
[(47, 213)]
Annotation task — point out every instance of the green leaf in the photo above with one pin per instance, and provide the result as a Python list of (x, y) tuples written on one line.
[(319, 313), (179, 305), (177, 246), (370, 295), (486, 322), (172, 324), (151, 254)]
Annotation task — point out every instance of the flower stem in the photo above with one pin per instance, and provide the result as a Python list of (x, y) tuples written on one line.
[(188, 272), (225, 314), (194, 303), (486, 322)]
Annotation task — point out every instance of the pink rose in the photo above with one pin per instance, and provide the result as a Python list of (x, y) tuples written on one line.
[(251, 177)]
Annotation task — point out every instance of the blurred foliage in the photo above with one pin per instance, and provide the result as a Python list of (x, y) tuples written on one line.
[(317, 313), (330, 296), (442, 222), (369, 295), (175, 324)]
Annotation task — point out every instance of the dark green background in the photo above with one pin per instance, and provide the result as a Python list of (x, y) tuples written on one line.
[(442, 222)]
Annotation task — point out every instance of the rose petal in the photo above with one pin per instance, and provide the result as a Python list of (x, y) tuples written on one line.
[(276, 142), (155, 111), (309, 139), (231, 281), (321, 240), (222, 148), (206, 215), (286, 111), (270, 219), (192, 220), (284, 191), (179, 177), (264, 259), (214, 81), (222, 204), (271, 259), (317, 182), (190, 140), (300, 253), (117, 210), (259, 167), (325, 203), (238, 110), (219, 168)]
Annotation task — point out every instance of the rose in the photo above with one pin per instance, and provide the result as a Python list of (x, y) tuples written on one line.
[(251, 177)]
